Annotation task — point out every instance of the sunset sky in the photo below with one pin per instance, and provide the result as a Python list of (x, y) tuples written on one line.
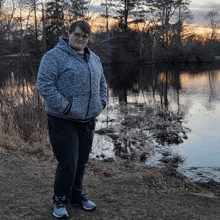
[(200, 7)]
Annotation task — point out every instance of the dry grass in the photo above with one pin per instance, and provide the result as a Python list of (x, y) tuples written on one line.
[(125, 193), (23, 123)]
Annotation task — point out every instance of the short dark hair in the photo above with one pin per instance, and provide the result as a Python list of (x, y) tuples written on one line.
[(83, 25)]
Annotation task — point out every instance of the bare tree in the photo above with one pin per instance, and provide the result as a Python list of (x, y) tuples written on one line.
[(107, 4), (7, 16), (20, 20), (1, 4), (163, 11), (214, 19), (91, 10), (34, 4), (44, 27)]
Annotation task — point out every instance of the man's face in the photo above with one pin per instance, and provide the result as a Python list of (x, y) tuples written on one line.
[(78, 40)]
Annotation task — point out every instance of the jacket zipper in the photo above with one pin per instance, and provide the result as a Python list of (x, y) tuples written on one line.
[(90, 94)]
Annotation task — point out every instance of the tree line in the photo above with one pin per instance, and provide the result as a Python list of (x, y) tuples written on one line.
[(128, 30)]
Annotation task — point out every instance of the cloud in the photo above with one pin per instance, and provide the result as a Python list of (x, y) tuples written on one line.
[(204, 6), (201, 9)]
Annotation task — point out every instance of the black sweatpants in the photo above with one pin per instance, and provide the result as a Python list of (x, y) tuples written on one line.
[(71, 142)]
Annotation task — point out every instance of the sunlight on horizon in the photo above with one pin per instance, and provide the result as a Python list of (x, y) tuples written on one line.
[(98, 23)]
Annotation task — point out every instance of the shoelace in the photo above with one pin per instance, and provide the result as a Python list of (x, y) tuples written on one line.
[(84, 197), (60, 203)]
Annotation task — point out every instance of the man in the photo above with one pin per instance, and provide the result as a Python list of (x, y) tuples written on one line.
[(71, 80)]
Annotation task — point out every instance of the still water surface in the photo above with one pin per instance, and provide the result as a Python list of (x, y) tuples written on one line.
[(191, 90), (202, 149)]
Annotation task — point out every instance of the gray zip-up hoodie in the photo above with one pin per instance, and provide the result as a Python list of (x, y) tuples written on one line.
[(72, 87)]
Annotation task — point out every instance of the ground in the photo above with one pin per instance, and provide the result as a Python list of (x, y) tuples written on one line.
[(120, 190)]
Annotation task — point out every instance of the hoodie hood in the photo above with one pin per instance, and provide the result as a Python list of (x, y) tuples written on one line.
[(64, 46)]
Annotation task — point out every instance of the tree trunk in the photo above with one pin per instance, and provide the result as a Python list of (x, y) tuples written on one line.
[(36, 30), (126, 15), (106, 13), (21, 32), (44, 29)]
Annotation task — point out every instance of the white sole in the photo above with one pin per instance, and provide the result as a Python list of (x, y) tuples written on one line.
[(58, 216)]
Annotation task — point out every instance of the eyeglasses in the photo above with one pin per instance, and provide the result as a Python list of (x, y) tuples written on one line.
[(84, 36)]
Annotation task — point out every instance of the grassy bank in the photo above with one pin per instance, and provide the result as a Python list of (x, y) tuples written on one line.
[(121, 191)]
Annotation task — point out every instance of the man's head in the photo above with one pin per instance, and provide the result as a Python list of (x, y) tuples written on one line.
[(84, 26), (79, 33)]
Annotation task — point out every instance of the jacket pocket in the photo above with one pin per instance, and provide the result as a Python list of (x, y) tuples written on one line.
[(95, 106), (78, 109)]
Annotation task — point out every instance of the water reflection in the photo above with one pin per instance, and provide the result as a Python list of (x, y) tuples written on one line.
[(189, 90), (122, 80), (164, 84), (195, 92)]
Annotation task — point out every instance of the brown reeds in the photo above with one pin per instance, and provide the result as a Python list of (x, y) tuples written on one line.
[(23, 118)]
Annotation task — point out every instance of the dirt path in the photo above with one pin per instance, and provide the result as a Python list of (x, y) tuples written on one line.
[(120, 192)]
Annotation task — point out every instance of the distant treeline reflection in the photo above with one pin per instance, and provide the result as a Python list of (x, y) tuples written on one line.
[(122, 79), (156, 79)]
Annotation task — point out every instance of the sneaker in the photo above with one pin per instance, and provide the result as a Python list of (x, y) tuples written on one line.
[(79, 198), (59, 207)]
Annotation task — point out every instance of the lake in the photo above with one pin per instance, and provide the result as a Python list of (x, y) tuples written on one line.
[(192, 91)]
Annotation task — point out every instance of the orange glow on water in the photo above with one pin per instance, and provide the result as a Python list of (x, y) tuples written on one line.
[(195, 81)]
